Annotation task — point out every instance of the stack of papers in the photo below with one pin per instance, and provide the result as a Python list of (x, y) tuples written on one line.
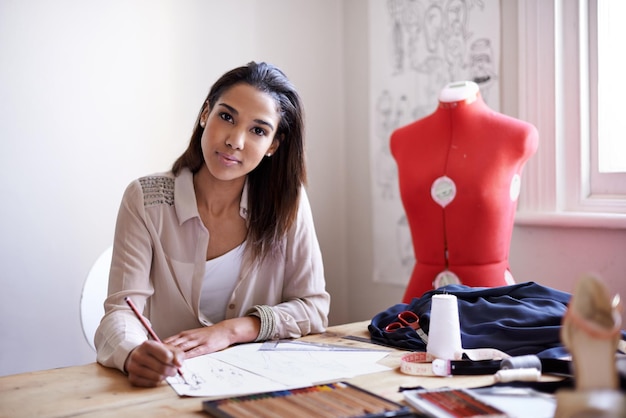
[(254, 368)]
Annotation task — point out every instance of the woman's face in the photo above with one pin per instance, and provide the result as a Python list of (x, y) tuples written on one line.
[(239, 131)]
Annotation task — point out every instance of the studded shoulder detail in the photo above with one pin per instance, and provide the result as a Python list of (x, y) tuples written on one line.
[(157, 190)]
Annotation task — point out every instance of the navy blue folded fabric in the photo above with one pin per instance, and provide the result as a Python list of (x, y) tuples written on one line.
[(520, 319)]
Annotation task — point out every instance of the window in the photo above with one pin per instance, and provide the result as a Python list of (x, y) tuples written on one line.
[(565, 89), (607, 69)]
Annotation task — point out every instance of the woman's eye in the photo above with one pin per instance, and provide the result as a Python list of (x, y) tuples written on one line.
[(259, 131), (226, 116)]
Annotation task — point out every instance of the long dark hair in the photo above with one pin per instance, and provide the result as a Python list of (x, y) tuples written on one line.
[(274, 185)]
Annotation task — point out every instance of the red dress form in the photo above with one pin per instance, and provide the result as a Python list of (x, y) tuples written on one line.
[(459, 175)]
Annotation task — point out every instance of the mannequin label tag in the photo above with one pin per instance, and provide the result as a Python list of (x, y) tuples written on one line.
[(443, 191), (445, 278), (516, 185)]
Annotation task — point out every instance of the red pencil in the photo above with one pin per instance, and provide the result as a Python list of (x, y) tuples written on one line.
[(149, 328)]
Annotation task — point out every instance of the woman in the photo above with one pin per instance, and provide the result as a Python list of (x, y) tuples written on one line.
[(222, 249)]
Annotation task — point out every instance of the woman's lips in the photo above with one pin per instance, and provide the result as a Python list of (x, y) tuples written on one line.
[(228, 159)]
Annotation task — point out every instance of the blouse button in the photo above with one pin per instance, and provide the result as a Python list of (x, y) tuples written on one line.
[(231, 306)]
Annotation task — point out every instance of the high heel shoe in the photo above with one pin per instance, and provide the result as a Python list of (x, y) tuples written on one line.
[(591, 331)]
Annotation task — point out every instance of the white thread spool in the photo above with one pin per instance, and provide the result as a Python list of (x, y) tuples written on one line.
[(444, 336), (529, 361)]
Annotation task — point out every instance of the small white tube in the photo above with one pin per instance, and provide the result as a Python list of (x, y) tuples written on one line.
[(525, 375)]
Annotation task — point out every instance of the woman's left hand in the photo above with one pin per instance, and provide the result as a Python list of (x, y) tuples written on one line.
[(199, 341)]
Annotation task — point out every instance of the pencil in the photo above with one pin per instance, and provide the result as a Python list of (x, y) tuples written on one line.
[(149, 329)]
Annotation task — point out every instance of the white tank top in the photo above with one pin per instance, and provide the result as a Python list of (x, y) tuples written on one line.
[(220, 277)]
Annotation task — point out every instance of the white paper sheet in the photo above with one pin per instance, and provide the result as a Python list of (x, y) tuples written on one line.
[(245, 369)]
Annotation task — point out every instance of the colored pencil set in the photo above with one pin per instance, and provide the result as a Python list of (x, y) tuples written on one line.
[(339, 399)]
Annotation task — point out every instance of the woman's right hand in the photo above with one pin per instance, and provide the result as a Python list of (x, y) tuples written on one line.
[(151, 362)]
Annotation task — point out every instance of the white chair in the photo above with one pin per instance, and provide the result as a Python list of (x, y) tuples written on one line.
[(93, 295)]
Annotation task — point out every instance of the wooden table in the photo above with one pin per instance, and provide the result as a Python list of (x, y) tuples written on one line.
[(94, 390)]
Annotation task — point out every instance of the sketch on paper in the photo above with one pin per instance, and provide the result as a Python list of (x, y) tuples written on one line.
[(208, 376), (416, 48), (245, 369)]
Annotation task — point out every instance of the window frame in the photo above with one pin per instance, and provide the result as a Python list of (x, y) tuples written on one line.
[(554, 89), (609, 184)]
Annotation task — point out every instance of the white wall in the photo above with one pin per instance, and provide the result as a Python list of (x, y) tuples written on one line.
[(95, 93)]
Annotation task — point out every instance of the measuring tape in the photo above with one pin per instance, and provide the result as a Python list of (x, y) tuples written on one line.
[(419, 363), (477, 361)]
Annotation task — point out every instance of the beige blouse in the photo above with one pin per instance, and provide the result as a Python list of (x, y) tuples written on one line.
[(159, 256)]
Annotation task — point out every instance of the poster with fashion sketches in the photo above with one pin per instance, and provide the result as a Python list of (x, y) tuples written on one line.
[(416, 48)]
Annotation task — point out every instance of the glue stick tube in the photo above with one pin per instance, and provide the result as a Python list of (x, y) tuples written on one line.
[(524, 375)]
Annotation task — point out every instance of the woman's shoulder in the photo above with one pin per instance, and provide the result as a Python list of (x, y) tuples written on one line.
[(157, 189), (305, 212), (154, 189)]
